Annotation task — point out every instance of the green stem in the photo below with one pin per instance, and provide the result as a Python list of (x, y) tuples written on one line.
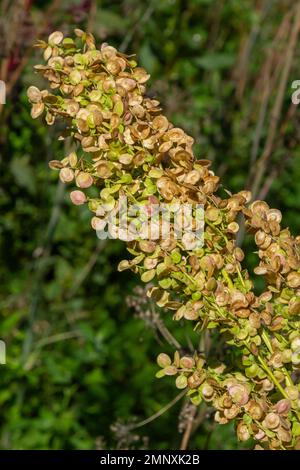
[(267, 342), (241, 277), (272, 377), (227, 278)]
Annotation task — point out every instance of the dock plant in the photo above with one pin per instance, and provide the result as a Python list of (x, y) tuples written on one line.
[(126, 146)]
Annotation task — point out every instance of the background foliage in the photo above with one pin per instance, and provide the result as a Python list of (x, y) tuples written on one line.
[(80, 364)]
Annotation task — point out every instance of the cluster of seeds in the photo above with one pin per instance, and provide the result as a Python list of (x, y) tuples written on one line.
[(127, 147)]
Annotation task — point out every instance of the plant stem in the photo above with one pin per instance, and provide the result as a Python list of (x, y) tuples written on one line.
[(272, 376)]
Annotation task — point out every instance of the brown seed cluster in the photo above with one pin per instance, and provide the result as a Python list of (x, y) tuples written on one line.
[(128, 147)]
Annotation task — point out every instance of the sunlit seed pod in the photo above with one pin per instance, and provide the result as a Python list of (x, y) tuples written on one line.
[(87, 142), (262, 239), (175, 134), (260, 435), (212, 214), (55, 38), (226, 401), (37, 109), (286, 356), (72, 157), (233, 227), (84, 180), (66, 89), (147, 276), (271, 421), (293, 279), (222, 298), (220, 418), (181, 382), (160, 123), (238, 254), (150, 263), (282, 407), (192, 177), (108, 52), (98, 224), (265, 297), (274, 215), (140, 75), (238, 300), (191, 314), (113, 66), (246, 195), (195, 380), (147, 246), (163, 360), (187, 362), (78, 197), (207, 391), (276, 360), (260, 270), (56, 62), (242, 312), (55, 165), (284, 435), (231, 413), (242, 431), (170, 370), (165, 146), (277, 323), (127, 83), (190, 241), (66, 175), (255, 410), (49, 118), (266, 317), (47, 53), (292, 392), (254, 320), (72, 107), (259, 207), (211, 284), (75, 77), (34, 94), (295, 343), (126, 158), (239, 394), (123, 265), (69, 61)]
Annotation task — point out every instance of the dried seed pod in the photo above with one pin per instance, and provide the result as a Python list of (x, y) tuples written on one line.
[(239, 394), (34, 94), (243, 432), (37, 109), (84, 180), (66, 175), (163, 360), (78, 197), (271, 421), (55, 38)]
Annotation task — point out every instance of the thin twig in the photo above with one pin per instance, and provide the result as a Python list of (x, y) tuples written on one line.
[(56, 338), (188, 429), (158, 413), (163, 329)]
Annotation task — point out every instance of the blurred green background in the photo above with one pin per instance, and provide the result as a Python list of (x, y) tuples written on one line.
[(80, 361)]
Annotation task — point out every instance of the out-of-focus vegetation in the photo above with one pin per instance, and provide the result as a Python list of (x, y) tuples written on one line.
[(80, 364)]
